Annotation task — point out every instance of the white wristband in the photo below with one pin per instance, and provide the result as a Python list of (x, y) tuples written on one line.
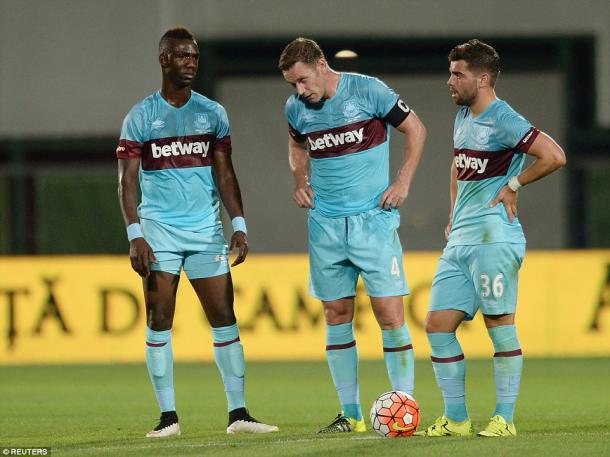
[(239, 224), (134, 231), (514, 184)]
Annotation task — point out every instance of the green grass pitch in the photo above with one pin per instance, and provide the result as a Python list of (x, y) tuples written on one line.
[(88, 410)]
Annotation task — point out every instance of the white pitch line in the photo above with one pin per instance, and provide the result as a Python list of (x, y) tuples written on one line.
[(282, 441), (212, 444)]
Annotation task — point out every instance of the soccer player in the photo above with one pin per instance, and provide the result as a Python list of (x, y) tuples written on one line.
[(177, 142), (485, 243), (339, 126)]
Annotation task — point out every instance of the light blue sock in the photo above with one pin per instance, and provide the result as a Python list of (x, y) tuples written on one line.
[(342, 358), (160, 364), (398, 356), (450, 371), (508, 363), (229, 355)]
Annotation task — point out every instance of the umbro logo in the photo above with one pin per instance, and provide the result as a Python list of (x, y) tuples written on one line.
[(158, 124)]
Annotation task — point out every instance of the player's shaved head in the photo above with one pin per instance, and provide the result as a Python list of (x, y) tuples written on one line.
[(300, 50), (176, 33), (479, 56)]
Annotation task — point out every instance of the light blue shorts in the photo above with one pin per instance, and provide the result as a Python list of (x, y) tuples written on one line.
[(484, 276), (200, 254), (341, 248)]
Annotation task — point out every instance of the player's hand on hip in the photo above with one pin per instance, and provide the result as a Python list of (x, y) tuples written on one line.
[(508, 197), (394, 196), (141, 256), (303, 195), (448, 229), (239, 242)]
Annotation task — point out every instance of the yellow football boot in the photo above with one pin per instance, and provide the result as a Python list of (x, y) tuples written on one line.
[(498, 427), (443, 426)]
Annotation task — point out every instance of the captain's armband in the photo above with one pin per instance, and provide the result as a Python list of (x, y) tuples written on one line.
[(398, 113)]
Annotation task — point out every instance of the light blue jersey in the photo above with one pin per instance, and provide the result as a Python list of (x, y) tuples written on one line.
[(348, 141), (348, 137), (175, 146), (488, 150)]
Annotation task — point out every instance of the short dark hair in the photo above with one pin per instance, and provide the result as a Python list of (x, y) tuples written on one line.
[(300, 50), (479, 56), (175, 33)]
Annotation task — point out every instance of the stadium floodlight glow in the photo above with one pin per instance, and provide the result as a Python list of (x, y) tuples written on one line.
[(346, 54)]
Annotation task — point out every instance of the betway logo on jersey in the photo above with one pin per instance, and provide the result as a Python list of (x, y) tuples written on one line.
[(329, 140), (474, 163), (177, 148), (182, 151), (346, 139), (478, 165)]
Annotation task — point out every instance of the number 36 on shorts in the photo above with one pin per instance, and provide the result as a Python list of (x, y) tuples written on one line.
[(489, 286)]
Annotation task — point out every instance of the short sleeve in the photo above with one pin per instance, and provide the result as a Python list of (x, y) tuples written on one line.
[(381, 97), (291, 117), (133, 136), (296, 135), (223, 132), (512, 129)]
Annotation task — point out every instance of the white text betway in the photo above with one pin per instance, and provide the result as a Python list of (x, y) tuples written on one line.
[(463, 161), (331, 139), (177, 148)]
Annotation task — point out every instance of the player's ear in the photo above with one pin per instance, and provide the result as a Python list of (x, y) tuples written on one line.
[(321, 65), (484, 80), (164, 59)]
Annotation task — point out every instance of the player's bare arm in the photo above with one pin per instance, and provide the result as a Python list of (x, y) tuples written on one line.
[(549, 157), (415, 137), (228, 187), (299, 165), (140, 253), (453, 196)]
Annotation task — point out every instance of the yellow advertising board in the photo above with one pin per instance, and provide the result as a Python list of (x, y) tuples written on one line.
[(90, 309)]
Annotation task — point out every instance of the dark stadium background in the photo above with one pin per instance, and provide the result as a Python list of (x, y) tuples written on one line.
[(71, 70)]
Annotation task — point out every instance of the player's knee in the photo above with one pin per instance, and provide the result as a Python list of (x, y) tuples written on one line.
[(160, 320), (429, 327), (221, 317), (433, 325), (335, 316), (498, 320), (389, 321)]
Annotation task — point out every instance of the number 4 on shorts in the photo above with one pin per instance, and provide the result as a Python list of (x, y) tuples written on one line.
[(395, 270)]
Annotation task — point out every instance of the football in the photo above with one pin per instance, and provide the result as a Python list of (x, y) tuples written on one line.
[(395, 414)]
